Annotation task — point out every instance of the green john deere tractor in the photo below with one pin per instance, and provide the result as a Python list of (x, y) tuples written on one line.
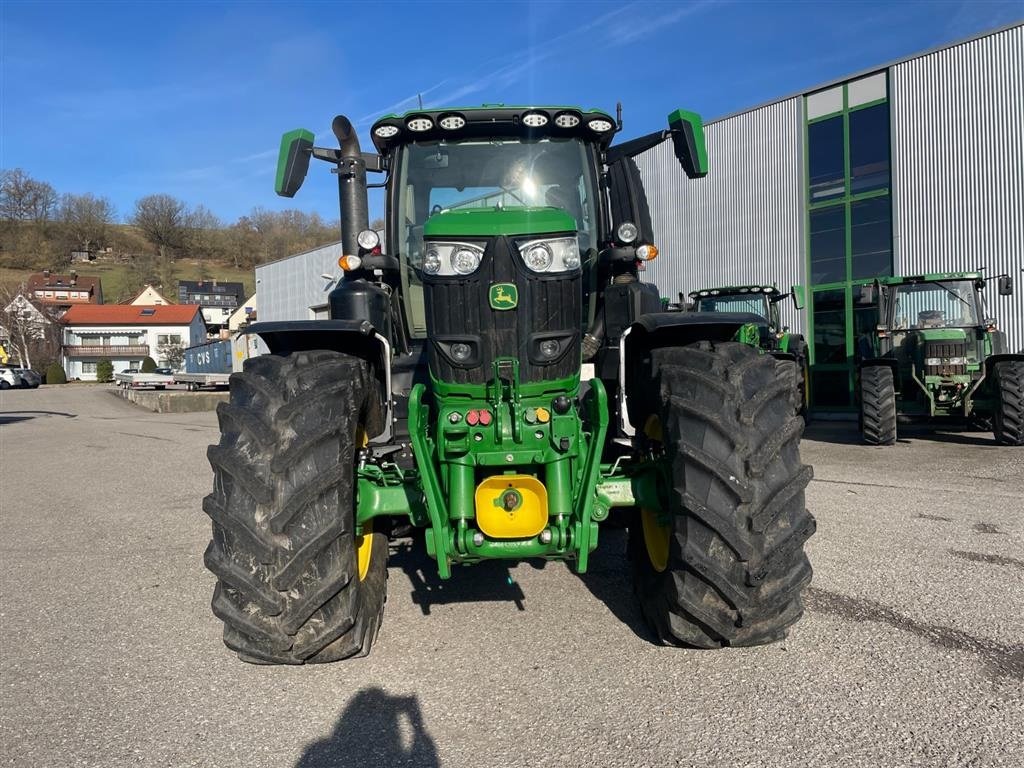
[(765, 329), (936, 355), (445, 392)]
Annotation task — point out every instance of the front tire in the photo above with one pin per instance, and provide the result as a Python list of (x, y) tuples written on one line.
[(1008, 418), (294, 583), (725, 564), (877, 405)]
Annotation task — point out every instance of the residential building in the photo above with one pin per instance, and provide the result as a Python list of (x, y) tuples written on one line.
[(218, 299), (148, 296), (125, 335), (23, 326), (244, 315), (57, 293)]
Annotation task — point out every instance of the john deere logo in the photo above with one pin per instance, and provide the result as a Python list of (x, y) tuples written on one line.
[(504, 296)]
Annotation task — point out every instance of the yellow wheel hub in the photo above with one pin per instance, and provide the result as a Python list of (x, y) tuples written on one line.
[(364, 543), (364, 547), (656, 538), (656, 534)]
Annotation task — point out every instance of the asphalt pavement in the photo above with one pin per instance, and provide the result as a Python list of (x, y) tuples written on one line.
[(911, 651)]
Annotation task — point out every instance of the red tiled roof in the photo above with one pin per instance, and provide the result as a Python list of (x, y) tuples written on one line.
[(39, 281), (123, 314)]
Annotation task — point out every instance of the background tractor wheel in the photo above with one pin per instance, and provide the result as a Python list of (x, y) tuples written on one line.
[(294, 583), (724, 564), (877, 405), (1008, 418), (790, 371)]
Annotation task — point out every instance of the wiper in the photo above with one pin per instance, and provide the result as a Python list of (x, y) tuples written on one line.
[(951, 292)]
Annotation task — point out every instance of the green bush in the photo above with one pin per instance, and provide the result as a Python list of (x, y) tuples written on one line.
[(55, 374), (104, 370), (148, 365)]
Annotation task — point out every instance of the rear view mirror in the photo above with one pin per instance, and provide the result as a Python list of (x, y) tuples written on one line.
[(688, 142), (1005, 285), (798, 296), (437, 160), (293, 161)]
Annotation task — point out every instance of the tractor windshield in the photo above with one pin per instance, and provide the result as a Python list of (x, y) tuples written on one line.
[(946, 304), (432, 177), (755, 303)]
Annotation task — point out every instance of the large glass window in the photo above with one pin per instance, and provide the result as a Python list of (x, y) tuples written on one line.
[(825, 157), (870, 238), (828, 245), (830, 326), (869, 148), (753, 303)]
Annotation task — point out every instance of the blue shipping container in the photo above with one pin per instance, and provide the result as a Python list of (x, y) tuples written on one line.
[(212, 357)]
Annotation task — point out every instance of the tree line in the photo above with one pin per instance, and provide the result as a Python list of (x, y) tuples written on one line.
[(40, 229)]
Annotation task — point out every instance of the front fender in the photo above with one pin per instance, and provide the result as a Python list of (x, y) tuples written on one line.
[(657, 330), (358, 338)]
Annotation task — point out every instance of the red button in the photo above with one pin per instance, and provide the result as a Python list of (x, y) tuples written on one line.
[(485, 418), (471, 418)]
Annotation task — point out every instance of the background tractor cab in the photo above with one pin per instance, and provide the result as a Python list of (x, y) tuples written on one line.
[(937, 353)]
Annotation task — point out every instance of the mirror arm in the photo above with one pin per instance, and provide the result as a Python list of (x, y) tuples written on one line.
[(374, 162)]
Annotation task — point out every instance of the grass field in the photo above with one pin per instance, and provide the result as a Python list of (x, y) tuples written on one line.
[(114, 276)]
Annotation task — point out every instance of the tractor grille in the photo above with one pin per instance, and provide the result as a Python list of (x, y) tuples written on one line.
[(945, 358), (458, 311)]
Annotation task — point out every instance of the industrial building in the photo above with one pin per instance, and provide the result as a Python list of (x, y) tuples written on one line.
[(907, 168)]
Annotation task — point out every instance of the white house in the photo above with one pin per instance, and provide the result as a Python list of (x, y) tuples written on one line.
[(148, 296), (245, 314), (125, 334)]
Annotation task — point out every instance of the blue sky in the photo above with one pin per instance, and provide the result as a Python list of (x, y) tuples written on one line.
[(190, 98)]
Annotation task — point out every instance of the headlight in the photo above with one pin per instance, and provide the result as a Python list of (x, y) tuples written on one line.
[(627, 232), (451, 259), (368, 239), (466, 260), (560, 254)]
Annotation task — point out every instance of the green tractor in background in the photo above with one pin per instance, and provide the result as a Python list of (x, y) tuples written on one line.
[(445, 393), (765, 329), (936, 354)]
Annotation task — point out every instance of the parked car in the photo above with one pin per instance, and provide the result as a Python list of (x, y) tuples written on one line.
[(29, 378), (25, 378), (8, 378)]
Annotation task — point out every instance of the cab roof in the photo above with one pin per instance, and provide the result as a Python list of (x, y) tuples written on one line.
[(929, 278), (489, 120), (734, 290)]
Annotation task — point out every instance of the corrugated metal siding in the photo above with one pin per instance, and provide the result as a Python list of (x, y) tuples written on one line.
[(743, 222), (958, 165), (289, 287)]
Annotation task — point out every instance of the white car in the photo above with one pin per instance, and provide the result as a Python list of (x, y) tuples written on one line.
[(18, 377)]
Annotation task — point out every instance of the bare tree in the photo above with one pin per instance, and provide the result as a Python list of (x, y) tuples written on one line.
[(86, 219), (172, 354), (162, 219), (23, 198), (27, 328), (205, 240)]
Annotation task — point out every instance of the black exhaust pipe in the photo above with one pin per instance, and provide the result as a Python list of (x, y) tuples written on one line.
[(355, 216)]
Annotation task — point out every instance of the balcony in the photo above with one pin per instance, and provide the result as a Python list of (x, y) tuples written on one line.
[(107, 350)]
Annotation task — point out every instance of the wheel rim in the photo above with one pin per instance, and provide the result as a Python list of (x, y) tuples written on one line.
[(364, 550), (364, 543), (656, 539), (656, 533)]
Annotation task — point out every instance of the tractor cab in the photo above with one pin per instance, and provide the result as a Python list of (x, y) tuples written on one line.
[(936, 352), (761, 301)]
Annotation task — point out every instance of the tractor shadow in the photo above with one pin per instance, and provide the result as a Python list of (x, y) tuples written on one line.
[(847, 433), (609, 579), (376, 730), (489, 581)]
